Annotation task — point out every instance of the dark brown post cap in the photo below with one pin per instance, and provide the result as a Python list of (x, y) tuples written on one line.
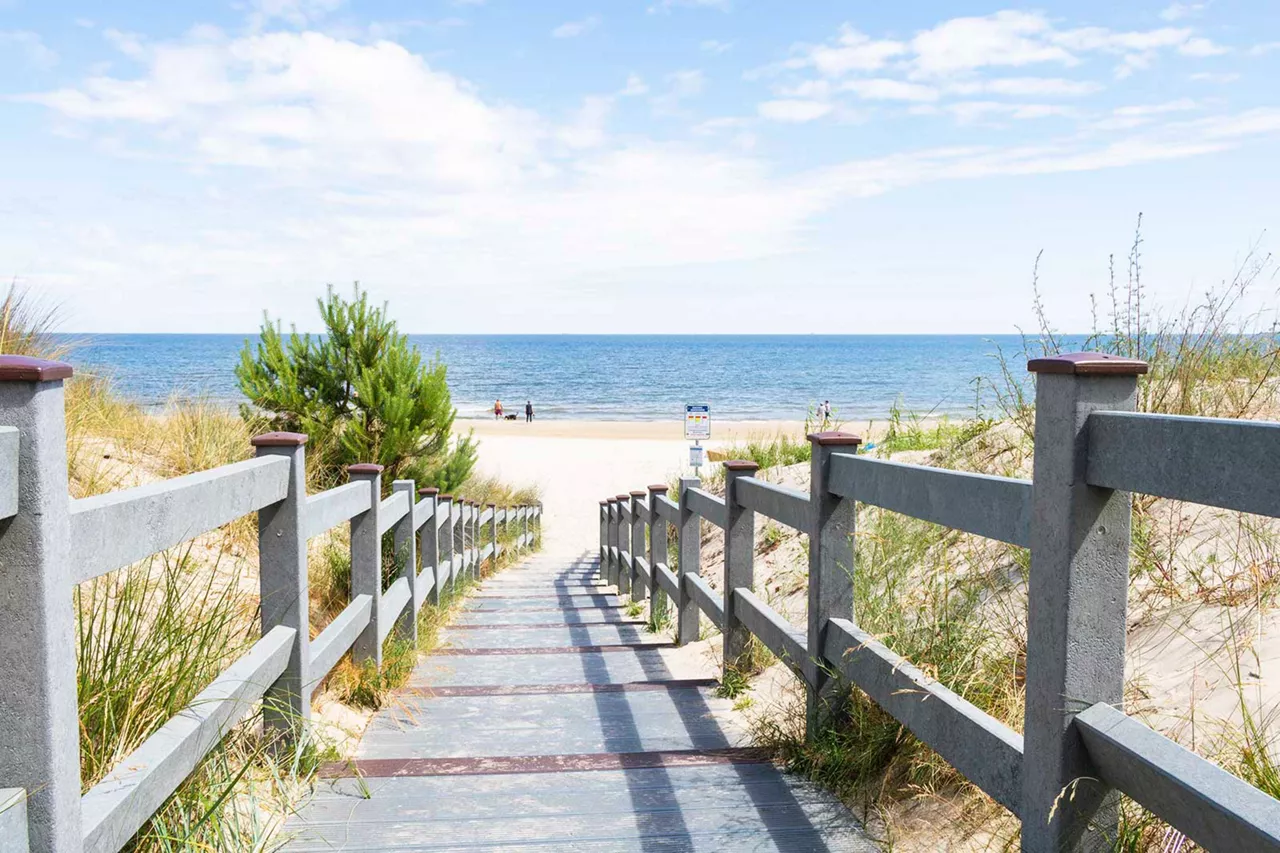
[(835, 439), (1088, 364), (279, 439), (24, 368), (428, 490), (604, 503), (660, 489), (364, 468), (624, 497), (736, 465), (639, 493), (446, 497)]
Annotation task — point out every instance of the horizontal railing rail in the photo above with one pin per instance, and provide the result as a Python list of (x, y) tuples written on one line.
[(60, 542), (392, 510), (337, 638), (335, 506), (995, 507), (781, 504), (1183, 458), (705, 506), (1215, 809), (159, 516), (706, 599), (117, 807), (1054, 776)]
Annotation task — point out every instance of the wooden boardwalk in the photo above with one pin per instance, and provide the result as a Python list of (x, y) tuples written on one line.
[(551, 722)]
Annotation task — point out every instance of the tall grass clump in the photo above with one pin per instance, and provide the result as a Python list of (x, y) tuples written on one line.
[(955, 605), (149, 638)]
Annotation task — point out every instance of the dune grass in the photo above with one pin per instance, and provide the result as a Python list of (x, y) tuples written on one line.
[(151, 636), (955, 605)]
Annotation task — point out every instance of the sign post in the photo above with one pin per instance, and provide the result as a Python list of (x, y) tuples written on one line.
[(697, 427)]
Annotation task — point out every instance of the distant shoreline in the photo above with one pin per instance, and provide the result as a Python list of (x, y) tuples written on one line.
[(722, 432), (623, 378)]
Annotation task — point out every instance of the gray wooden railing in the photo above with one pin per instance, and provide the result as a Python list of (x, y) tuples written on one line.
[(49, 543), (1077, 747)]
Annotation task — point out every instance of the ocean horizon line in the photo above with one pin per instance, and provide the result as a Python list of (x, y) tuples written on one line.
[(614, 335)]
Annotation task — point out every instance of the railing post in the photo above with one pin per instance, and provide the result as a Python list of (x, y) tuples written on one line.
[(460, 538), (611, 511), (493, 536), (831, 564), (469, 534), (1077, 595), (283, 587), (473, 536), (604, 541), (657, 547), (689, 543), (525, 516), (448, 561), (405, 541), (39, 719), (366, 562), (624, 546), (739, 559), (638, 548), (429, 544)]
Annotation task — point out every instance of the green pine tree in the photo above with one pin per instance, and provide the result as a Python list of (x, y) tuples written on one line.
[(361, 393)]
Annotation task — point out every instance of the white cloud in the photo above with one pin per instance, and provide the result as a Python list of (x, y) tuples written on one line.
[(968, 112), (298, 13), (1005, 38), (793, 110), (1214, 77), (881, 89), (30, 46), (587, 130), (1027, 87), (960, 47), (337, 159), (1180, 105), (1264, 48), (715, 46), (853, 51), (1179, 11), (681, 86), (573, 29), (635, 85), (1201, 47)]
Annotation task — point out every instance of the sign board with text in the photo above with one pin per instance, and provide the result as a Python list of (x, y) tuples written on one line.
[(697, 421), (697, 456)]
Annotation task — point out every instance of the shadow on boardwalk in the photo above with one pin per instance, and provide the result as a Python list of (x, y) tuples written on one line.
[(552, 723)]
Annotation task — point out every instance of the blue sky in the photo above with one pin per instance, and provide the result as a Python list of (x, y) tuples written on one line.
[(659, 166)]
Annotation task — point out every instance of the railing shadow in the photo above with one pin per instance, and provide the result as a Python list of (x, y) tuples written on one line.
[(660, 816)]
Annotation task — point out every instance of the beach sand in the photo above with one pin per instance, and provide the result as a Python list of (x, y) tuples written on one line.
[(576, 464)]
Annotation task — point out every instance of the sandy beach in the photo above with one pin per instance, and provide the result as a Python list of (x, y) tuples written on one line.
[(577, 463)]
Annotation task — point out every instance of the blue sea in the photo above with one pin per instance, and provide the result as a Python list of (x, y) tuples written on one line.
[(618, 377)]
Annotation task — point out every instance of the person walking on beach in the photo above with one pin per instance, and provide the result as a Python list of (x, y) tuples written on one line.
[(825, 412), (497, 410), (528, 411)]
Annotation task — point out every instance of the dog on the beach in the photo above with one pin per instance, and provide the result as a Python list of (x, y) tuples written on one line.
[(509, 418)]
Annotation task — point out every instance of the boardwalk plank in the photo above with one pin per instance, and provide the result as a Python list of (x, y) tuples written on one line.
[(516, 709)]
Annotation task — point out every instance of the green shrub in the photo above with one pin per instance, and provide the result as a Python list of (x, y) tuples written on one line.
[(361, 392)]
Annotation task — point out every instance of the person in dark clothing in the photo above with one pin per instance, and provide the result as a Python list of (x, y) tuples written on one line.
[(528, 411)]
